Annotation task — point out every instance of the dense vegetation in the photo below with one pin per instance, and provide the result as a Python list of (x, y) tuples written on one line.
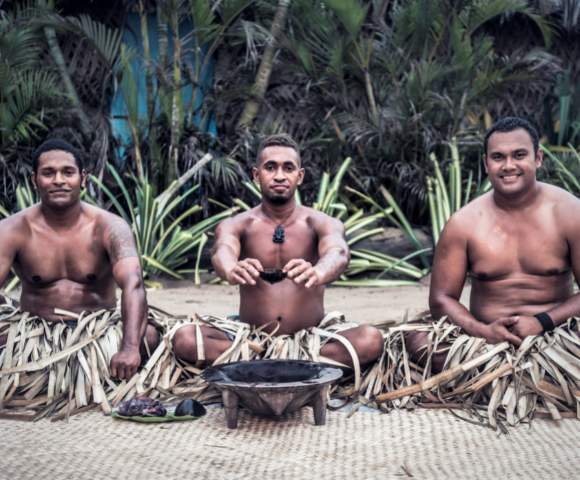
[(401, 89)]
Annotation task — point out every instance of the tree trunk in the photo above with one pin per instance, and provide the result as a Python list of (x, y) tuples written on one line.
[(163, 162), (148, 63), (176, 101), (58, 58), (264, 71)]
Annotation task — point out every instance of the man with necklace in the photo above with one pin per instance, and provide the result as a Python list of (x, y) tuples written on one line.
[(282, 255)]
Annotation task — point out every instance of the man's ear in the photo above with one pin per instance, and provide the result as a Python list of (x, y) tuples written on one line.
[(83, 178), (485, 163), (33, 180), (539, 158), (301, 173), (255, 173)]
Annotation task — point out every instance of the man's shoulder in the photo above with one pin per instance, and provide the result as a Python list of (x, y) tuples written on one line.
[(19, 221), (559, 196), (565, 207), (103, 217), (317, 217), (242, 218), (237, 224), (465, 218)]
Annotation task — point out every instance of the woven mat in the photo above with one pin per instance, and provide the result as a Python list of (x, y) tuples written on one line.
[(420, 444)]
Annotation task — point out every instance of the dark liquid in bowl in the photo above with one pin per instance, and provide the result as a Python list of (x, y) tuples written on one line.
[(269, 372), (272, 275)]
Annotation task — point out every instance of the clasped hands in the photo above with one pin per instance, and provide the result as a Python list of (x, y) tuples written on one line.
[(512, 329), (247, 272)]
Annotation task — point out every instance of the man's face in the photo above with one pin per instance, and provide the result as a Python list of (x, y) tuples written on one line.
[(278, 173), (58, 179), (510, 162)]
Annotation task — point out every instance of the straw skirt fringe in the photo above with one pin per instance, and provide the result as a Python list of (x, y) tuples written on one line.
[(57, 368), (498, 383), (52, 369), (250, 343)]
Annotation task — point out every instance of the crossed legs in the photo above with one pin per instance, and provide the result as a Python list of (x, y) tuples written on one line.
[(416, 344), (366, 340)]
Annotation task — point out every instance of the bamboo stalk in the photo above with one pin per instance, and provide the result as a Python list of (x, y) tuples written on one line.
[(442, 377)]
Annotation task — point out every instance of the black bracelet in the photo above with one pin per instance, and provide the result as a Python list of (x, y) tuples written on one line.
[(546, 321)]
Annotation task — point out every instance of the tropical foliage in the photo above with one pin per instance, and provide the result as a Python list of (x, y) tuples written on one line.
[(567, 167), (444, 199), (402, 89), (389, 87), (28, 94), (165, 245)]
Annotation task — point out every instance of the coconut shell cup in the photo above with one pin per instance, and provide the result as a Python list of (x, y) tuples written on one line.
[(273, 275)]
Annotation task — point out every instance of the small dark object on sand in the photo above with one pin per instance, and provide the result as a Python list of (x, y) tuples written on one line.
[(142, 407), (272, 275), (189, 407)]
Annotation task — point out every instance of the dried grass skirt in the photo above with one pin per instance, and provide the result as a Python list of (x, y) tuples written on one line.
[(56, 368), (497, 383)]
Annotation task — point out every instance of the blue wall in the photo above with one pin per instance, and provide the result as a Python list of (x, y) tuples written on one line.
[(132, 37)]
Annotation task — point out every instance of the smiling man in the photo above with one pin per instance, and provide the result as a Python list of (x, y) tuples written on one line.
[(282, 255), (69, 256), (519, 244)]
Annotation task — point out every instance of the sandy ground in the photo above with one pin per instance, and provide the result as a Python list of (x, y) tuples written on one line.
[(364, 305)]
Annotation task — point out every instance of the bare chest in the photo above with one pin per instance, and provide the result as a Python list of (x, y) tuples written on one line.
[(299, 241), (50, 256), (531, 245)]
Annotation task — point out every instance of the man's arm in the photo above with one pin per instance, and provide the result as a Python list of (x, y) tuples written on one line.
[(122, 252), (447, 281), (226, 254), (333, 255)]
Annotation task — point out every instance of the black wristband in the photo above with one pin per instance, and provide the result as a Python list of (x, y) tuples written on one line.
[(546, 321)]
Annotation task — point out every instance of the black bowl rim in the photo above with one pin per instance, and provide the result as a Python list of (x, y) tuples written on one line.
[(331, 373)]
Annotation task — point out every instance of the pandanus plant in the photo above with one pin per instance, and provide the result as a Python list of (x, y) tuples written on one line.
[(165, 245)]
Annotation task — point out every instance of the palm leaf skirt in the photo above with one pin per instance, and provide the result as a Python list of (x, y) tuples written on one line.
[(495, 383), (56, 368)]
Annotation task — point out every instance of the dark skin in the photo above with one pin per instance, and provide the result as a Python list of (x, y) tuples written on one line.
[(313, 254), (69, 255), (520, 244)]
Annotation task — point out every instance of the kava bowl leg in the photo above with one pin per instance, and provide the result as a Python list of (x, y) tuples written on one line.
[(230, 400), (319, 406)]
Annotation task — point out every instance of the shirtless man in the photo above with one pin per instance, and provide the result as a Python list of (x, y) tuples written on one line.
[(69, 254), (519, 243), (307, 245)]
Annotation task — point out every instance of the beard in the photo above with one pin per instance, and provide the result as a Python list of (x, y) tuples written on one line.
[(277, 199)]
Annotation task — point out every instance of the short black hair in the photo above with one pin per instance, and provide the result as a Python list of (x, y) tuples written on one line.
[(278, 140), (509, 124), (57, 144)]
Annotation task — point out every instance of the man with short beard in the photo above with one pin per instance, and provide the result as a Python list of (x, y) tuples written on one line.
[(69, 257), (520, 246), (282, 255)]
